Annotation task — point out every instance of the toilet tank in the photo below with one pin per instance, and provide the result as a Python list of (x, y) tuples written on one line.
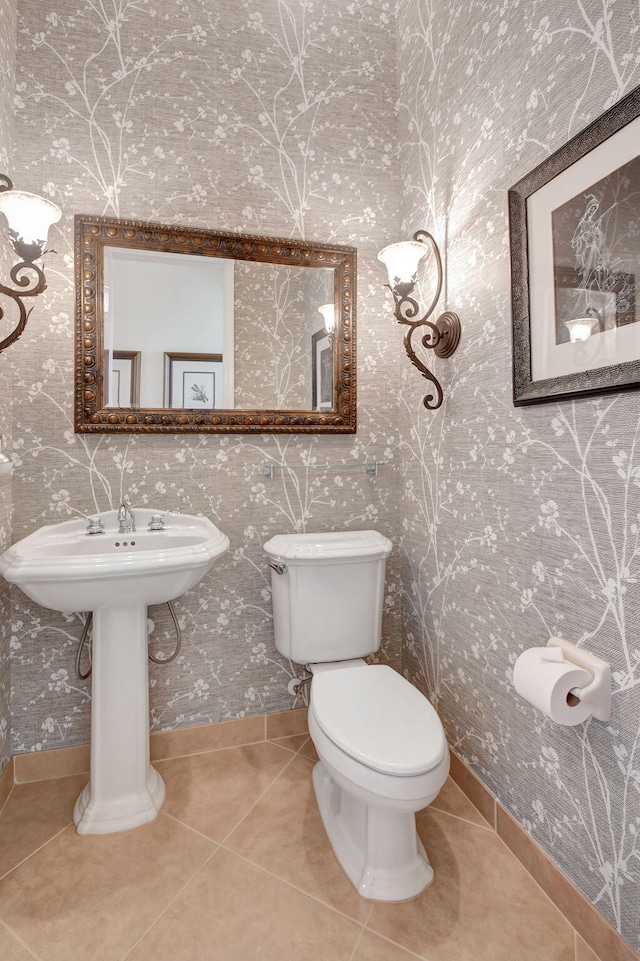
[(327, 602)]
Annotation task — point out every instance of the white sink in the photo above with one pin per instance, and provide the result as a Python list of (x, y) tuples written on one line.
[(116, 576), (65, 569)]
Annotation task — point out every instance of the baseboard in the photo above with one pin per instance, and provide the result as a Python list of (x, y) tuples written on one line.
[(7, 780), (63, 762)]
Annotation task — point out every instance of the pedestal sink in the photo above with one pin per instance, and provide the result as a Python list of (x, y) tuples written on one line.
[(116, 576)]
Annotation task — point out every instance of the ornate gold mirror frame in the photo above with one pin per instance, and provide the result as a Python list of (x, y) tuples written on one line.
[(93, 234)]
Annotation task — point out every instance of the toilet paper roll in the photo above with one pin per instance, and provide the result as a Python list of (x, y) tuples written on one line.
[(546, 680)]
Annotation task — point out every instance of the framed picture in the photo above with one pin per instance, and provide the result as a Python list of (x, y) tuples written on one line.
[(193, 381), (123, 378), (575, 262), (321, 371)]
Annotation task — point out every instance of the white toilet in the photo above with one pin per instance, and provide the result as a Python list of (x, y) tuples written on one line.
[(382, 749)]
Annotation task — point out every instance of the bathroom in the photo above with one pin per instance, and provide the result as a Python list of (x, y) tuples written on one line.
[(351, 124)]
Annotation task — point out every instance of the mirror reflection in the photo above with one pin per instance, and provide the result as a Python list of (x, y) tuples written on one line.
[(205, 333)]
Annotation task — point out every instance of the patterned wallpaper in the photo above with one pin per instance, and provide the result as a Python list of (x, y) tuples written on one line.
[(262, 117), (519, 524), (7, 82), (276, 312)]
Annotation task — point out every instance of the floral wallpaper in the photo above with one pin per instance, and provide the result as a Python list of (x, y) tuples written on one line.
[(518, 524), (7, 82), (269, 117), (276, 312)]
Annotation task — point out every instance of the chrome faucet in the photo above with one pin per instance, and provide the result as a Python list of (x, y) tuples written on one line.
[(124, 512)]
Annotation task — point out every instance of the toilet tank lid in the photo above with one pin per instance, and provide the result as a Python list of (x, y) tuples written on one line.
[(379, 718), (330, 545)]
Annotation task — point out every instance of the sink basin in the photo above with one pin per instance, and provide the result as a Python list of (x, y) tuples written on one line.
[(116, 576), (65, 569)]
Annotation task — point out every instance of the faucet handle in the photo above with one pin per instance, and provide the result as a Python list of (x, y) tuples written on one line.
[(95, 526), (157, 520)]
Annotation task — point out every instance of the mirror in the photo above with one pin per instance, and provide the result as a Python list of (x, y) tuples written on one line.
[(191, 330)]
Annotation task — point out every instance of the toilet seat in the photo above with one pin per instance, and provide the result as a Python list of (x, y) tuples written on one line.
[(375, 716)]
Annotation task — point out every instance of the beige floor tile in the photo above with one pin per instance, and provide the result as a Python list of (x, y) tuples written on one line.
[(452, 800), (94, 896), (291, 743), (308, 750), (232, 911), (284, 834), (33, 815), (10, 949), (374, 948), (584, 952), (482, 905), (213, 792)]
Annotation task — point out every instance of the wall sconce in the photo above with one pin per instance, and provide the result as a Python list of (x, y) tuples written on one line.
[(443, 336), (581, 328), (328, 312), (29, 218)]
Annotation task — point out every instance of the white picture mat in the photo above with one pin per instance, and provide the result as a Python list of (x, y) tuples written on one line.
[(180, 368), (119, 384), (616, 346)]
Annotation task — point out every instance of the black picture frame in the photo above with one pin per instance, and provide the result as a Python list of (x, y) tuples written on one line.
[(535, 273)]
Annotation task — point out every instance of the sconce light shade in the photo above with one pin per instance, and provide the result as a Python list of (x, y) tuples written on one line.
[(29, 218), (328, 312), (581, 328), (402, 261)]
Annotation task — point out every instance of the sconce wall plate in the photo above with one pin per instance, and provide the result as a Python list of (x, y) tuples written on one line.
[(29, 218), (443, 336)]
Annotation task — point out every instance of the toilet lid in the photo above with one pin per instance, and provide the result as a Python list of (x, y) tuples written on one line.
[(377, 717)]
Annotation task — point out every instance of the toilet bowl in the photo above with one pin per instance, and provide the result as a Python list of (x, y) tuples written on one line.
[(382, 749), (383, 757)]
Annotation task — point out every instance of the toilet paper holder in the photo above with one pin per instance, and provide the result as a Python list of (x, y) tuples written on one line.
[(598, 692)]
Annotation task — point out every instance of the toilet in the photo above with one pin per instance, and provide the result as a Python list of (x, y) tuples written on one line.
[(382, 748)]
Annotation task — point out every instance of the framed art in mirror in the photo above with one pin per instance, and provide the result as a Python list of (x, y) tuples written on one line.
[(575, 264), (187, 330)]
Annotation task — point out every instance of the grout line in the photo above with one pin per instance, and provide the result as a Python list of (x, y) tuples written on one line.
[(396, 944), (357, 944), (160, 916), (20, 940), (483, 827), (29, 856)]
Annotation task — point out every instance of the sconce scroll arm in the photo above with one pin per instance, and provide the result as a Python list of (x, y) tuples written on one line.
[(442, 337), (21, 280)]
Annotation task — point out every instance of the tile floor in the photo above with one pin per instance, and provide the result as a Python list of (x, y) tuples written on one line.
[(237, 867)]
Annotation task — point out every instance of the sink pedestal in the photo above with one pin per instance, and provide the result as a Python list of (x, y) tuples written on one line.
[(124, 790)]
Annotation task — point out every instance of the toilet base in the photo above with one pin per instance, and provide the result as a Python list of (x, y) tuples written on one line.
[(379, 850)]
